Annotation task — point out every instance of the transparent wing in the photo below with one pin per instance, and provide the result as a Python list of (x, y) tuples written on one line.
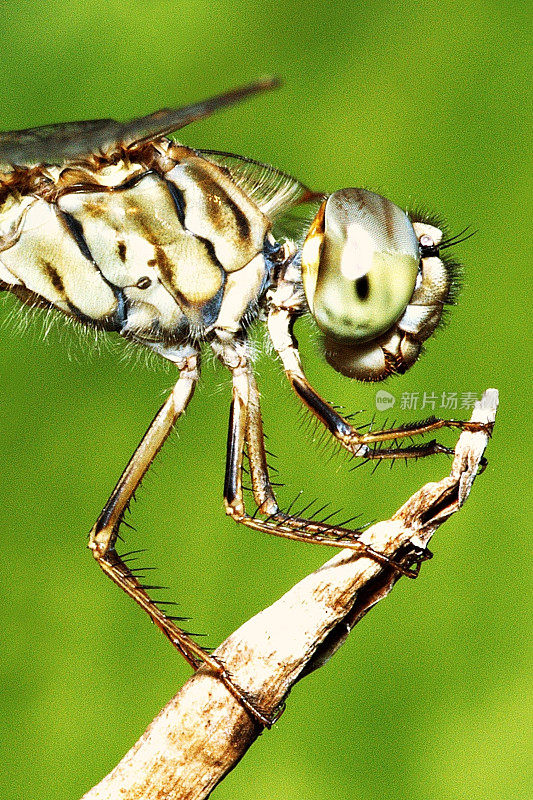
[(280, 196), (53, 144)]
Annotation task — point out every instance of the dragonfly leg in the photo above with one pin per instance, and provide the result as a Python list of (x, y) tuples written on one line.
[(358, 443), (245, 429), (104, 534)]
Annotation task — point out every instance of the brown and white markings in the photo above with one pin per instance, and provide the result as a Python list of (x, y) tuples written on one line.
[(125, 230)]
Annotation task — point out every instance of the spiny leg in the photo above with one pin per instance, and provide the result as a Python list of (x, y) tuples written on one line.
[(245, 427), (105, 532), (280, 329)]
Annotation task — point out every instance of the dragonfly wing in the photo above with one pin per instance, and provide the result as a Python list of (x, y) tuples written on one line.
[(169, 120), (53, 144)]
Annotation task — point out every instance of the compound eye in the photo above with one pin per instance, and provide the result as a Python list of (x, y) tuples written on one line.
[(359, 265)]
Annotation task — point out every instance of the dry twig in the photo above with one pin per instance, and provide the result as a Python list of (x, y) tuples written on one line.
[(203, 732)]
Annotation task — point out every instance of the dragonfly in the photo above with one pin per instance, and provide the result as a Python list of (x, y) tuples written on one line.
[(123, 229)]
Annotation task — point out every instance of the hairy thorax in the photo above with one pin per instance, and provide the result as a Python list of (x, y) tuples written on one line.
[(155, 242)]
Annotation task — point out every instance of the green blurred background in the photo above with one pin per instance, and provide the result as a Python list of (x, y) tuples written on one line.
[(424, 102)]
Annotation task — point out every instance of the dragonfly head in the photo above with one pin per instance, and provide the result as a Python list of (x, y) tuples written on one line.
[(375, 283)]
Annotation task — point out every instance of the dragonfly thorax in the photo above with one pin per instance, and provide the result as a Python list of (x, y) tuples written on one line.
[(161, 250)]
